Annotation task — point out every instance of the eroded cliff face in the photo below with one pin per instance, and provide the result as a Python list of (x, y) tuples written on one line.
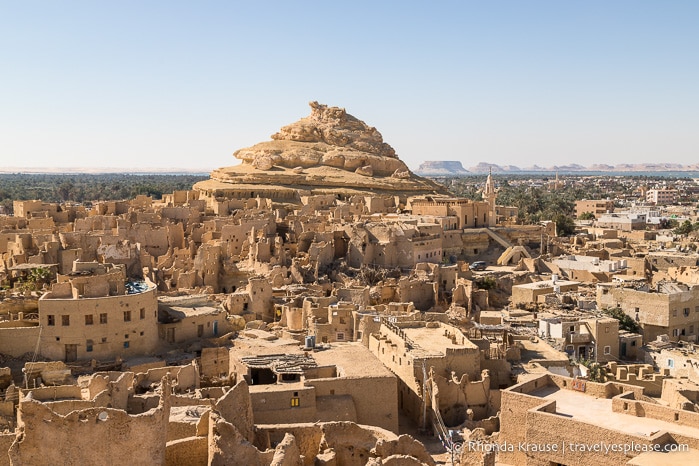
[(328, 152), (330, 137), (334, 126)]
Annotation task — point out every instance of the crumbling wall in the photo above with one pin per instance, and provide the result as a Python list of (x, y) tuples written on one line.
[(421, 293), (190, 451), (214, 362), (185, 377), (6, 440), (236, 407), (348, 444), (461, 399), (90, 436)]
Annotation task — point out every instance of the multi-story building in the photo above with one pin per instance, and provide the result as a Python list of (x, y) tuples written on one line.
[(435, 357), (596, 207), (92, 314), (624, 221), (668, 309), (343, 382), (661, 196), (470, 214), (596, 338)]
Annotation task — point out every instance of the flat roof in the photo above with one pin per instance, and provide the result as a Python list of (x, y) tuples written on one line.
[(180, 307), (598, 411), (433, 339), (546, 284), (539, 349), (352, 360)]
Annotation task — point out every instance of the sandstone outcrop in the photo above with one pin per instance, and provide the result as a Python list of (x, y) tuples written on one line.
[(327, 152), (328, 136)]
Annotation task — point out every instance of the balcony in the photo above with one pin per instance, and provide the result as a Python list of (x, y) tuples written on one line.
[(579, 338)]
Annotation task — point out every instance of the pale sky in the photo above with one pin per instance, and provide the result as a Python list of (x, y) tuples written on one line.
[(183, 84)]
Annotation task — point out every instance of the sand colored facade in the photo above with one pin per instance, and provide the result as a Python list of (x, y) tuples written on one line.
[(469, 214), (93, 316), (530, 292), (595, 207), (437, 356), (340, 383), (596, 339), (670, 309)]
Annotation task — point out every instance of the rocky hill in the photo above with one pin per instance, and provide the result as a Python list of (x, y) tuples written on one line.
[(327, 152), (331, 137)]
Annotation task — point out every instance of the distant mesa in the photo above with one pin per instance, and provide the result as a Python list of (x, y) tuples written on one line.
[(433, 168), (327, 152), (441, 167), (573, 167), (601, 167), (484, 167)]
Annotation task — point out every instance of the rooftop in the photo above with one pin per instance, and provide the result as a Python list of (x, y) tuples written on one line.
[(546, 284), (434, 339), (598, 411), (352, 360)]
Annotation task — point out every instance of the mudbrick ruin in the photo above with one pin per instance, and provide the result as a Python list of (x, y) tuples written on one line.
[(320, 304)]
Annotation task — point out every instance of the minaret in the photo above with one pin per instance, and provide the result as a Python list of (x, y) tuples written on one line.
[(489, 196)]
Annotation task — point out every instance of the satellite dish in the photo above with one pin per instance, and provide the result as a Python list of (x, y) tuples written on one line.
[(103, 416)]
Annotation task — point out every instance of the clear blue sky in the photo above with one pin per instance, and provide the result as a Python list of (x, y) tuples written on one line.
[(184, 84)]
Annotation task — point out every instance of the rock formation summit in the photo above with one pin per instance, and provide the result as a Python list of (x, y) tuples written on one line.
[(327, 152)]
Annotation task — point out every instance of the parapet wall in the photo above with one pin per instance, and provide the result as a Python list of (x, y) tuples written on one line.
[(628, 404)]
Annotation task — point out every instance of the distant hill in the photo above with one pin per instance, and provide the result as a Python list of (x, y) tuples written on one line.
[(485, 167), (437, 168), (106, 170), (441, 167)]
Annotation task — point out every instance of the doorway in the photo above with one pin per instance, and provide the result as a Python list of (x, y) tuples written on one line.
[(71, 353)]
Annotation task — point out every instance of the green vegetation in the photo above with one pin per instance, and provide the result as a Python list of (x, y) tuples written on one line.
[(534, 196), (486, 283), (625, 322), (668, 223), (686, 228), (83, 188), (565, 225), (536, 204), (587, 216), (35, 280), (595, 371)]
